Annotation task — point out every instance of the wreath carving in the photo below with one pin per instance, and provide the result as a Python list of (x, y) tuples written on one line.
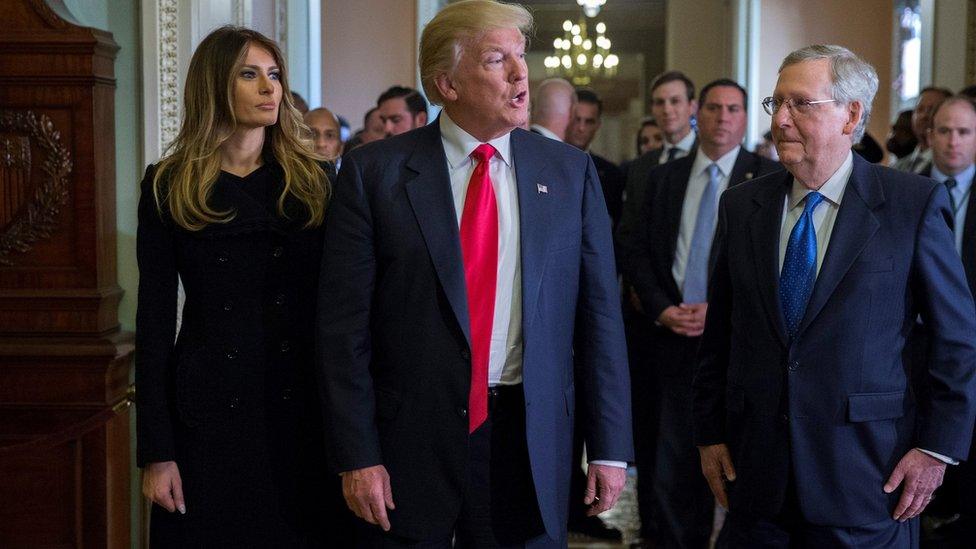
[(38, 218)]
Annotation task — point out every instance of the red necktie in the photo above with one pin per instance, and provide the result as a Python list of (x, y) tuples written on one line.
[(479, 250)]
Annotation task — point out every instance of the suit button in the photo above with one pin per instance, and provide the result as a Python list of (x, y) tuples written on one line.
[(463, 412), (465, 354), (228, 305), (784, 419), (794, 366), (277, 252), (285, 346), (231, 354), (223, 257), (286, 394), (235, 402), (279, 299)]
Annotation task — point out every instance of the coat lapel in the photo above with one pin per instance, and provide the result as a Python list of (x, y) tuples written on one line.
[(854, 227), (429, 193), (677, 187), (765, 226), (969, 238), (534, 212)]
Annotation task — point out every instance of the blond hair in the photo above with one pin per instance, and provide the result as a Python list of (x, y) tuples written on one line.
[(186, 175), (457, 25)]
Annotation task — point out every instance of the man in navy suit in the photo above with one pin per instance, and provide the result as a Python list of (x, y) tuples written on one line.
[(802, 400), (467, 266), (669, 265)]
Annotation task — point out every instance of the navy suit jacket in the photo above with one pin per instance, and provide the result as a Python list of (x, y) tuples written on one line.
[(833, 408), (650, 254), (393, 331)]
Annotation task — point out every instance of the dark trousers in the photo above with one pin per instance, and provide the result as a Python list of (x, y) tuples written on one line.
[(789, 531), (685, 504), (499, 508), (645, 403)]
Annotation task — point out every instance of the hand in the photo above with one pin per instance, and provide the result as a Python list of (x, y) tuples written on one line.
[(603, 486), (716, 463), (922, 474), (162, 485), (686, 319), (368, 494)]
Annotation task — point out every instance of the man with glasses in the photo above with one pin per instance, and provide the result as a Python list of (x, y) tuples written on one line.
[(803, 412)]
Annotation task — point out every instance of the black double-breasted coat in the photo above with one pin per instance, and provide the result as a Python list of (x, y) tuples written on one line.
[(231, 396)]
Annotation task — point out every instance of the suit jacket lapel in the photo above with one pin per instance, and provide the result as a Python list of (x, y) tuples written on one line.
[(677, 187), (765, 226), (534, 211), (429, 193), (969, 239), (854, 226), (745, 168)]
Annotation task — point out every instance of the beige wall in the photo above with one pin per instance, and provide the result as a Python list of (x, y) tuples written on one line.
[(949, 50), (367, 46), (699, 39), (864, 26)]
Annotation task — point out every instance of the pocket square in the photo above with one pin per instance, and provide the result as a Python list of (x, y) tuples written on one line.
[(542, 188)]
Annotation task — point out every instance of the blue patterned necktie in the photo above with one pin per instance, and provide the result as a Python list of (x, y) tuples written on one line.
[(799, 266), (696, 272)]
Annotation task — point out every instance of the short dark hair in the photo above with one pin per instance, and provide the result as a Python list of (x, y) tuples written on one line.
[(945, 92), (724, 83), (367, 115), (674, 76), (415, 102), (586, 95), (969, 90)]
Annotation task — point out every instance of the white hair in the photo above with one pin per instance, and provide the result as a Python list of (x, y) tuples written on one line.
[(852, 78)]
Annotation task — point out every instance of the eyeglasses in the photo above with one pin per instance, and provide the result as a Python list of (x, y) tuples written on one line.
[(795, 106)]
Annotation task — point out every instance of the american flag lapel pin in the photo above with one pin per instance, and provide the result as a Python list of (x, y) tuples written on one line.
[(542, 188)]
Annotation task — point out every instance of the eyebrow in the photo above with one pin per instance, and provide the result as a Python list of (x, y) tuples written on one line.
[(271, 68)]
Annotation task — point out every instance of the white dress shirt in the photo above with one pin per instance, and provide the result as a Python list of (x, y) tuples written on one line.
[(684, 147), (960, 194), (544, 131), (505, 359), (823, 222), (697, 182)]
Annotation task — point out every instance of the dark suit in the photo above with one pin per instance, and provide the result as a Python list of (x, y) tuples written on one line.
[(613, 180), (643, 380), (393, 330), (826, 416), (685, 503)]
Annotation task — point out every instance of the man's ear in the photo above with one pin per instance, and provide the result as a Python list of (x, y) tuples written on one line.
[(854, 114), (445, 86), (421, 119)]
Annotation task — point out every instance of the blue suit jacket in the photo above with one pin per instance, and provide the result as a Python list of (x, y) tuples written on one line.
[(393, 331), (834, 405)]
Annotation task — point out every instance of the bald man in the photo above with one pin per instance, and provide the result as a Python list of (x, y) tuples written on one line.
[(325, 133), (552, 108)]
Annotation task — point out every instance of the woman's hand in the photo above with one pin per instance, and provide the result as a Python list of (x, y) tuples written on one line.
[(161, 483)]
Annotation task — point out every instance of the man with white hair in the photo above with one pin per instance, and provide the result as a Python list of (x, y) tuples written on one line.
[(552, 108), (802, 401), (468, 300)]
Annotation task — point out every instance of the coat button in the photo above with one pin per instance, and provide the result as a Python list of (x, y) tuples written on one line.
[(278, 251), (286, 394), (228, 305), (231, 354), (784, 419), (465, 354), (463, 412), (223, 257), (279, 299), (285, 346), (793, 366), (235, 402)]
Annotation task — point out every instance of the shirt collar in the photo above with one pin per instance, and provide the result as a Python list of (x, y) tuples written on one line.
[(545, 131), (832, 190), (963, 178), (459, 144), (686, 143), (725, 163)]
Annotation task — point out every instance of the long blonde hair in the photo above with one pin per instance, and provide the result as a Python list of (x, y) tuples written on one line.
[(185, 177)]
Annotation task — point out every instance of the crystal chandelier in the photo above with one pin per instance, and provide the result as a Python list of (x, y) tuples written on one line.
[(591, 7), (580, 58)]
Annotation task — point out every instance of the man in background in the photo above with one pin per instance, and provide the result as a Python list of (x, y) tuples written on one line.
[(921, 157), (552, 108), (587, 119), (401, 109), (325, 133)]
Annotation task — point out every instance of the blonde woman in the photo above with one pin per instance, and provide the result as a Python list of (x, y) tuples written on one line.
[(229, 423)]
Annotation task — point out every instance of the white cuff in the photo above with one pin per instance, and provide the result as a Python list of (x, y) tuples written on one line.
[(620, 464), (938, 456)]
